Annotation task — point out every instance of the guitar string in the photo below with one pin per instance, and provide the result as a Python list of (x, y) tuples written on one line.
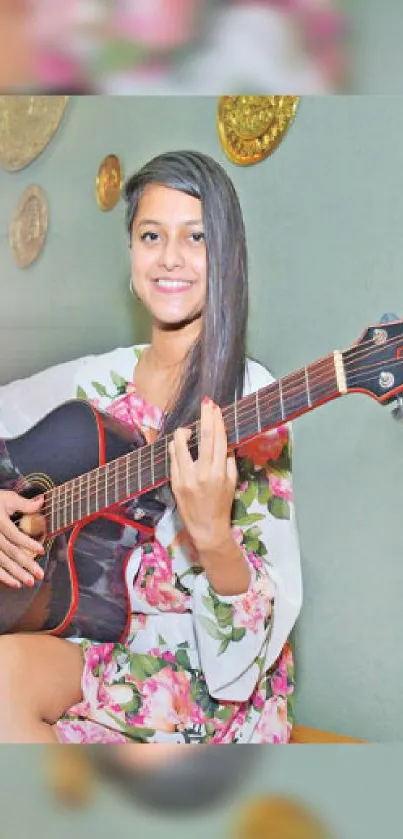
[(243, 415), (367, 348)]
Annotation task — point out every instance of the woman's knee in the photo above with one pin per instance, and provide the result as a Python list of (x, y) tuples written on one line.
[(12, 666), (41, 673)]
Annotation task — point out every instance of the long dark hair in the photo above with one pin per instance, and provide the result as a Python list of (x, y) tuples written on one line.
[(215, 364)]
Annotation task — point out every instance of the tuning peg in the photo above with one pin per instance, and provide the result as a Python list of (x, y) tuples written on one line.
[(388, 317), (397, 411)]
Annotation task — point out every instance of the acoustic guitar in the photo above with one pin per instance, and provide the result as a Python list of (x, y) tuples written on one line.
[(99, 481)]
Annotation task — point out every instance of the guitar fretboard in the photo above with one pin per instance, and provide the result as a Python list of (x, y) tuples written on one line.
[(149, 466)]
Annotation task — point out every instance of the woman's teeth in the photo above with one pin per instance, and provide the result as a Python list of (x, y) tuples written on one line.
[(174, 284)]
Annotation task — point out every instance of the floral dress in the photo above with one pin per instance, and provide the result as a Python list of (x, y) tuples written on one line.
[(196, 666)]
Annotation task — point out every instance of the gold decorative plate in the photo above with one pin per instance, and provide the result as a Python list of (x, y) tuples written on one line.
[(278, 817), (27, 124), (29, 226), (109, 182), (251, 127)]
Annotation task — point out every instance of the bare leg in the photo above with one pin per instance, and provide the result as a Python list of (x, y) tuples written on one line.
[(40, 678)]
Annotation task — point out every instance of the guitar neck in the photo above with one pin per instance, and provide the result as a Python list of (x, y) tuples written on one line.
[(285, 399), (148, 466)]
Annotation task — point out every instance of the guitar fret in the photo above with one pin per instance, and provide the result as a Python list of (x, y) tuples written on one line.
[(116, 481), (152, 465), (259, 423), (79, 498), (166, 458), (236, 422), (280, 390), (127, 478), (106, 484), (139, 469), (63, 490), (52, 511), (72, 502), (88, 493), (96, 490), (59, 507), (57, 496), (307, 387)]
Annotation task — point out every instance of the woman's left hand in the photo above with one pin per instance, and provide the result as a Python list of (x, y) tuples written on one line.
[(204, 489)]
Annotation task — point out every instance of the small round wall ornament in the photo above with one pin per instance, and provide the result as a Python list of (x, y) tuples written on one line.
[(251, 127), (29, 226), (27, 125), (279, 816), (109, 182)]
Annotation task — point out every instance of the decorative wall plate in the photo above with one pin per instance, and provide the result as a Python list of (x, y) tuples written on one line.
[(278, 817), (27, 124), (251, 127), (29, 226), (109, 182)]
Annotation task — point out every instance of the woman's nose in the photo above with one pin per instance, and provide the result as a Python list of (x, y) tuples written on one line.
[(172, 254)]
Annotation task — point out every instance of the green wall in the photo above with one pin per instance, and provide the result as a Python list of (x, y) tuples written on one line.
[(374, 45), (324, 218)]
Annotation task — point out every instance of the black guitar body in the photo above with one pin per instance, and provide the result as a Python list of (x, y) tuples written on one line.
[(84, 592)]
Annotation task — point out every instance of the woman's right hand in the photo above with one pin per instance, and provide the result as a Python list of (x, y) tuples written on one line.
[(18, 551)]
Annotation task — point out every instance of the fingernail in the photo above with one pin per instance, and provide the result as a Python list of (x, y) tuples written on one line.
[(206, 400), (29, 581)]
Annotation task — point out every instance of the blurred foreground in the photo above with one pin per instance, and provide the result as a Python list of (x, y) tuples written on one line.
[(174, 46), (303, 792)]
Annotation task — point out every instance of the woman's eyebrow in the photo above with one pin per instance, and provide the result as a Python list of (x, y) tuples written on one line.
[(186, 222)]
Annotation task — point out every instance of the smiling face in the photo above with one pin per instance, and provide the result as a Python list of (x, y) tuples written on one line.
[(168, 255)]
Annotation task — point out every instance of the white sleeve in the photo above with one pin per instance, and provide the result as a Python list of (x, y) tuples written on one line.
[(25, 401)]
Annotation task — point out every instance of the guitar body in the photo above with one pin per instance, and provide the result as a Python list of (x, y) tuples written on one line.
[(83, 593)]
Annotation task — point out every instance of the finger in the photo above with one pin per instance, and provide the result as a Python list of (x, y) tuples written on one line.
[(183, 457), (232, 471), (219, 464), (7, 579), (14, 535), (15, 503), (24, 559), (206, 437), (174, 464), (14, 569)]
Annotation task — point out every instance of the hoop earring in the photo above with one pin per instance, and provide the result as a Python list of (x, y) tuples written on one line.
[(133, 292)]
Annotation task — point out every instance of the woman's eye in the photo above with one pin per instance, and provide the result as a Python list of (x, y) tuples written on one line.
[(197, 237), (149, 236)]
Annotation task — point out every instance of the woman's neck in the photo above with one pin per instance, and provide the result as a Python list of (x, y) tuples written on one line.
[(158, 373), (169, 347)]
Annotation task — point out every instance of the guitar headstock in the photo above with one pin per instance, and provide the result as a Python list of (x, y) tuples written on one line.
[(374, 364)]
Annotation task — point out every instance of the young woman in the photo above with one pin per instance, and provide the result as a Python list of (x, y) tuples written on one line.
[(215, 594)]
